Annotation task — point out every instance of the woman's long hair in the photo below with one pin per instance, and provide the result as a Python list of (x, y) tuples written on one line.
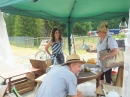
[(52, 35)]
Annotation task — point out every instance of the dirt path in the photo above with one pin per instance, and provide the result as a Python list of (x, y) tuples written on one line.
[(19, 51)]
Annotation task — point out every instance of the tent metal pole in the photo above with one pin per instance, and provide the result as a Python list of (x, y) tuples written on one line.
[(68, 34), (69, 30)]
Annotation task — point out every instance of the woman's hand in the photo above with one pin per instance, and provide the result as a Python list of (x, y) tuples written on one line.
[(88, 50)]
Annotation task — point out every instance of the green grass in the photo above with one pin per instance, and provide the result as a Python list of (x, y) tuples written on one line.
[(119, 36), (77, 52)]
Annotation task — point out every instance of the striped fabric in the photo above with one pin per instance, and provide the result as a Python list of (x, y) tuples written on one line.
[(56, 49)]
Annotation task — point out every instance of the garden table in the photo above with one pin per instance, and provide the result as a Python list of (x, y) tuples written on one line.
[(10, 75)]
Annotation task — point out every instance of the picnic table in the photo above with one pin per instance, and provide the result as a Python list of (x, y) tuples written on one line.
[(10, 75), (95, 72)]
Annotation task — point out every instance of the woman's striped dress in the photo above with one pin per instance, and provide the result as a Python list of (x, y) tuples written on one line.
[(57, 49)]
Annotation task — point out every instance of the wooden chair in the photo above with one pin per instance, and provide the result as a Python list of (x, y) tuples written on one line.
[(119, 77)]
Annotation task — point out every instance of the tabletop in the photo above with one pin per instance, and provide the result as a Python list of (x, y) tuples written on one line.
[(18, 72), (95, 72)]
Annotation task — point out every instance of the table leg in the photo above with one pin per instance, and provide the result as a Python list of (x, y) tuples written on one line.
[(4, 83), (97, 82), (9, 86), (38, 84)]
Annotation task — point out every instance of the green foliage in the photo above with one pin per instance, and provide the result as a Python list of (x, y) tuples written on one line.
[(121, 35), (112, 23), (9, 19), (23, 26), (27, 26), (95, 25), (49, 25), (39, 23), (81, 28)]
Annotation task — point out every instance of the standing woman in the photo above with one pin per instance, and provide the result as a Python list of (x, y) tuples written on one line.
[(104, 40), (56, 46)]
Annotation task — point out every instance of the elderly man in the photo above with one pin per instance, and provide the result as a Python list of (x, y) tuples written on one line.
[(61, 81)]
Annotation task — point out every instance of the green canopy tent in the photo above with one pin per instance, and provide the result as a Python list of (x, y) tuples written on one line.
[(68, 11)]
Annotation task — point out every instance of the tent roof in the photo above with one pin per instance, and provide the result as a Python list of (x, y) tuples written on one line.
[(68, 10)]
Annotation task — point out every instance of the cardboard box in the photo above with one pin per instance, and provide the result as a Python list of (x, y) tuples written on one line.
[(108, 88)]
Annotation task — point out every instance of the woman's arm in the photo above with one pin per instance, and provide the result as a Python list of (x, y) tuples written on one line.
[(112, 44), (47, 47), (113, 53), (91, 51)]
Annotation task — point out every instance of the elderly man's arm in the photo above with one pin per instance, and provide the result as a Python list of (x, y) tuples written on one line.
[(79, 94)]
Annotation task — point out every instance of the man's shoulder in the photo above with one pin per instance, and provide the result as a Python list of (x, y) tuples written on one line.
[(67, 71)]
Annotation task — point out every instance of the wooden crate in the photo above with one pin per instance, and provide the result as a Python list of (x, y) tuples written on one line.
[(23, 85)]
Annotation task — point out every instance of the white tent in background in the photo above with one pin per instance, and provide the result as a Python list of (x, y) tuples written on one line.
[(126, 78), (6, 56)]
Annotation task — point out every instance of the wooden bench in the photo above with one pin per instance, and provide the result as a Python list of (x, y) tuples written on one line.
[(39, 81), (10, 75)]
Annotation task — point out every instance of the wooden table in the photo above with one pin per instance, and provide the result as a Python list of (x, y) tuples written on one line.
[(82, 77), (95, 73), (10, 75)]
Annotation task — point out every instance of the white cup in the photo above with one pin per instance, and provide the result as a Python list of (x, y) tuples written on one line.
[(82, 68)]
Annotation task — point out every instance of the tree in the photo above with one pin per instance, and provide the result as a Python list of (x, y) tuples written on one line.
[(9, 19), (49, 25), (81, 28), (112, 23), (39, 24), (28, 26)]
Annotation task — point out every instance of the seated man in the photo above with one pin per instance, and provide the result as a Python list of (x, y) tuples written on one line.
[(61, 81)]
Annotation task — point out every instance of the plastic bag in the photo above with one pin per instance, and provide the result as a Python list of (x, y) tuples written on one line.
[(87, 88)]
